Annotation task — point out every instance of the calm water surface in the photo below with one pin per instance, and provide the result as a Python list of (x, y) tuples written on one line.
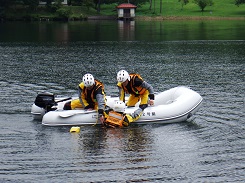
[(39, 57)]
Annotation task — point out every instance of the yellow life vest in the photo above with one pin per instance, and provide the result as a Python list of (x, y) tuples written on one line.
[(136, 89), (86, 96)]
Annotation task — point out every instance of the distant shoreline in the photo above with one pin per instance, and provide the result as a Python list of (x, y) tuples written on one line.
[(159, 18), (140, 18)]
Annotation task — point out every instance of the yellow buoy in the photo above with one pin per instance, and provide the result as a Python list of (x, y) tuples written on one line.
[(75, 129)]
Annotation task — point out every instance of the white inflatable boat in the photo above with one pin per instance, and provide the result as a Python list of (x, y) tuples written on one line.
[(174, 105)]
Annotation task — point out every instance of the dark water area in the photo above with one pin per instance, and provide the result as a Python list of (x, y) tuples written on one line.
[(209, 148), (121, 31)]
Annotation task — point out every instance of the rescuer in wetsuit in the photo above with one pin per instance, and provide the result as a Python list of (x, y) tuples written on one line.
[(91, 96), (138, 89)]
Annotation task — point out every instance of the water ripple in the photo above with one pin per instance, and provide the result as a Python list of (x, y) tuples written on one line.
[(208, 148)]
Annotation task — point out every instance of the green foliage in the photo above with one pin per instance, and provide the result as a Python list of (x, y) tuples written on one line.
[(172, 10), (134, 2), (203, 3), (33, 4), (54, 7), (76, 2), (8, 3), (17, 9), (88, 3), (183, 2), (49, 2), (239, 2), (64, 13)]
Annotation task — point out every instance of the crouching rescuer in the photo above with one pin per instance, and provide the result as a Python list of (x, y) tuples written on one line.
[(136, 87), (117, 117), (91, 96)]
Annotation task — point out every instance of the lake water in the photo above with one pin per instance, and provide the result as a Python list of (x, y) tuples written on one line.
[(207, 56)]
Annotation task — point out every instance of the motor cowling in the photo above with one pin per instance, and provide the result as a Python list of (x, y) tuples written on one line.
[(45, 100)]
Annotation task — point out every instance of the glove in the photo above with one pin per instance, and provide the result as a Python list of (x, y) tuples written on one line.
[(101, 118), (151, 102), (125, 123)]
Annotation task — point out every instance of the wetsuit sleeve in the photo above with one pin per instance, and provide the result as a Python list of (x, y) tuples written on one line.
[(149, 88), (121, 94), (100, 97)]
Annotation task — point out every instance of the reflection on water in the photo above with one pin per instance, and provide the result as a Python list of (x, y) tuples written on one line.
[(59, 32), (121, 31), (126, 30), (208, 149)]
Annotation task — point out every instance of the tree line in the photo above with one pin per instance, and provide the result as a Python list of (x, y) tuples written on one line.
[(33, 4), (203, 3)]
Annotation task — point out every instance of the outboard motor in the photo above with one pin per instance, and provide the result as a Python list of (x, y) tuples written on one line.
[(46, 101)]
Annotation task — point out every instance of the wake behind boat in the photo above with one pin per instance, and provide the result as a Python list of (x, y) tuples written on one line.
[(174, 105)]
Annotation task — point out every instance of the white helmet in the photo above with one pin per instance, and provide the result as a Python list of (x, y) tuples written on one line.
[(88, 80), (122, 76), (119, 106)]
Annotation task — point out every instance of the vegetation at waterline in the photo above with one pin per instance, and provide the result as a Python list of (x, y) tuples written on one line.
[(81, 9)]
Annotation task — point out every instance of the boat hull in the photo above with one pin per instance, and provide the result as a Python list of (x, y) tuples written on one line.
[(171, 106)]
